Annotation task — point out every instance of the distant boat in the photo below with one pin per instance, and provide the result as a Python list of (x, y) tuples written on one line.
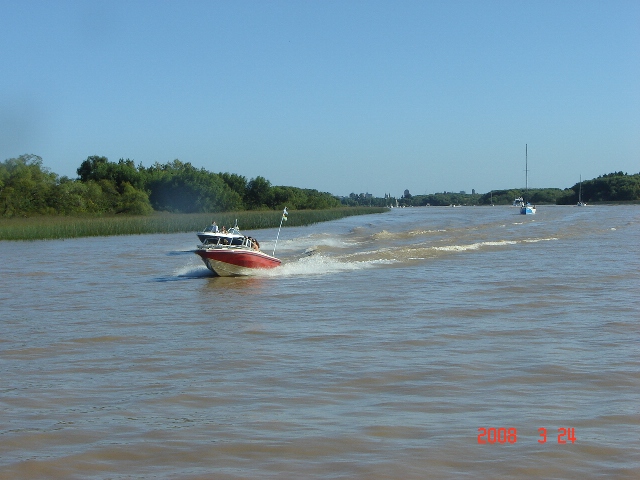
[(580, 202), (526, 208), (518, 202)]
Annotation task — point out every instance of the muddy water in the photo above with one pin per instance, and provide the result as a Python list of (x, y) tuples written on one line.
[(380, 349)]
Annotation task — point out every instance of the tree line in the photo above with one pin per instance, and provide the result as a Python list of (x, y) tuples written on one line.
[(104, 187), (612, 187), (368, 200), (495, 197)]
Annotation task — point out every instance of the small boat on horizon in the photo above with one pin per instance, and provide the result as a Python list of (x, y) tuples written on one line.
[(580, 202), (526, 208)]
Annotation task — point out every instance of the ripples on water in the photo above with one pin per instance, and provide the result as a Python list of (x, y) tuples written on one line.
[(377, 351)]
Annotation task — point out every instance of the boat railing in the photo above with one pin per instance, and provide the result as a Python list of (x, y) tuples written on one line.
[(209, 246)]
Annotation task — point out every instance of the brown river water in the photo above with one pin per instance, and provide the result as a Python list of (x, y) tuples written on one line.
[(420, 343)]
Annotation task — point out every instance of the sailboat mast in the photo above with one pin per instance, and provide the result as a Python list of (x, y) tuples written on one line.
[(580, 192), (526, 172), (527, 208)]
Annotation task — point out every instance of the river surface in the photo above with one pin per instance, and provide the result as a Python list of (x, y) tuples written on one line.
[(381, 349)]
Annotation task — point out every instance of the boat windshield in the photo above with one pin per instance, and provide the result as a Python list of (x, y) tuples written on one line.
[(211, 241), (224, 240)]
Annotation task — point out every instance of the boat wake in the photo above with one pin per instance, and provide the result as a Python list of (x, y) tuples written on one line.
[(317, 264), (320, 262), (327, 254)]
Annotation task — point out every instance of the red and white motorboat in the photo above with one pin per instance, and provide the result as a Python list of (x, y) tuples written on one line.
[(232, 254)]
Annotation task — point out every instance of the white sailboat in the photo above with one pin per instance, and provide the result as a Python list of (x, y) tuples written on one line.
[(526, 208), (580, 202)]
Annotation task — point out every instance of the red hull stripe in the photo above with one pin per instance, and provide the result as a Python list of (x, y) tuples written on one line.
[(241, 258)]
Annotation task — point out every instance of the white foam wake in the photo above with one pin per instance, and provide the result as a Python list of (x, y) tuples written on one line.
[(315, 265)]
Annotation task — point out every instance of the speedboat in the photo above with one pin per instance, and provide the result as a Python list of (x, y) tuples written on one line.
[(232, 254)]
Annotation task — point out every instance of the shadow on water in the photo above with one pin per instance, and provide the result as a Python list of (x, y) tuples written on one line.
[(177, 253), (193, 273), (211, 280), (188, 272), (245, 285), (179, 278)]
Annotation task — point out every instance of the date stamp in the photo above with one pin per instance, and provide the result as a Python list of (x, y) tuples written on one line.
[(503, 435)]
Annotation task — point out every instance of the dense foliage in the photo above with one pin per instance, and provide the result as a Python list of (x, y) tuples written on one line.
[(103, 187), (368, 200), (439, 199), (28, 188), (495, 197), (535, 196), (613, 187)]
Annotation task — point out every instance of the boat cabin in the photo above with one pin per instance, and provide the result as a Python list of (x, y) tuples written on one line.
[(229, 241)]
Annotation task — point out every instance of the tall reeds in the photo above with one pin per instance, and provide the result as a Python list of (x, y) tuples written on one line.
[(52, 227)]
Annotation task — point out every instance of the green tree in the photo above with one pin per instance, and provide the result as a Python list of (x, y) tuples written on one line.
[(291, 197), (237, 183), (180, 187), (25, 186), (258, 194), (98, 168), (133, 201), (93, 168), (319, 200), (611, 187), (122, 184)]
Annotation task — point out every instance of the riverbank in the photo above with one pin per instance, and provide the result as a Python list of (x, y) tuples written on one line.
[(56, 227)]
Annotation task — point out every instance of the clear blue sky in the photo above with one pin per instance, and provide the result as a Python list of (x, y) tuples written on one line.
[(341, 96)]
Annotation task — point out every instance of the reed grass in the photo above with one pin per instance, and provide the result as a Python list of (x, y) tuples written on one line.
[(55, 227)]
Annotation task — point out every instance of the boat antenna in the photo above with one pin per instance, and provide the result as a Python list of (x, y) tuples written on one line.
[(284, 218)]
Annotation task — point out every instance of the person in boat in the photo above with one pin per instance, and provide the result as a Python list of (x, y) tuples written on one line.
[(224, 229), (214, 227), (254, 244)]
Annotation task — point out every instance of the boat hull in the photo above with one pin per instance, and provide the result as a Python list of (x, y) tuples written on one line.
[(527, 210), (236, 262)]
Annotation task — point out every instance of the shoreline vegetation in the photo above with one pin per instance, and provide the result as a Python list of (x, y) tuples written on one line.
[(119, 198), (46, 227)]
